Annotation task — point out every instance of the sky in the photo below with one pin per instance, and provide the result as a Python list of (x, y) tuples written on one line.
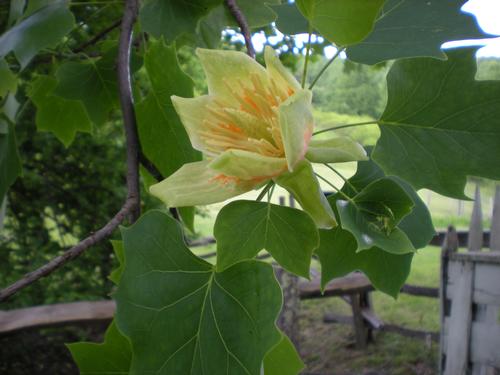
[(487, 13)]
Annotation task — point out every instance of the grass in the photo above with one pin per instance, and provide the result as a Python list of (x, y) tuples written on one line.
[(328, 348)]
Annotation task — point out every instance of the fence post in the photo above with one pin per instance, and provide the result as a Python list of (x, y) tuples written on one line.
[(450, 245), (495, 222), (475, 239)]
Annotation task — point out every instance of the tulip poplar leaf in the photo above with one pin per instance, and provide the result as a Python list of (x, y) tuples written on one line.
[(440, 125), (163, 139), (93, 82), (243, 228), (63, 117), (413, 28), (41, 29), (113, 356), (338, 257), (290, 21), (373, 214), (343, 22), (194, 320), (8, 80), (283, 359), (172, 18), (417, 224)]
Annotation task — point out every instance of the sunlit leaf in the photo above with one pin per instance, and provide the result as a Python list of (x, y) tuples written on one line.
[(342, 22), (181, 316), (440, 125), (60, 116), (8, 80), (243, 228)]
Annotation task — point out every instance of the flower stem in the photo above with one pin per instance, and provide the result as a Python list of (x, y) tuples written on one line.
[(342, 177), (336, 188), (308, 49), (269, 185), (345, 126), (339, 50)]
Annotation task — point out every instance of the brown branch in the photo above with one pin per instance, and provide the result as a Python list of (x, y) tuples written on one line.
[(132, 203), (127, 104), (242, 23), (97, 37)]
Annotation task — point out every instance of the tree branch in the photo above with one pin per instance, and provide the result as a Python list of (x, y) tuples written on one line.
[(127, 104), (242, 23), (132, 203)]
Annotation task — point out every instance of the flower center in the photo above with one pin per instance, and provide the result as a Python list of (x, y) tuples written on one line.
[(250, 121)]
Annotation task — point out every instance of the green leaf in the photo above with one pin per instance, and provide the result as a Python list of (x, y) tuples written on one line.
[(163, 137), (10, 163), (385, 198), (372, 215), (116, 274), (15, 11), (93, 82), (342, 22), (57, 115), (283, 359), (411, 28), (8, 80), (172, 18), (113, 356), (290, 21), (42, 29), (181, 316), (440, 125), (418, 224), (337, 253), (243, 228)]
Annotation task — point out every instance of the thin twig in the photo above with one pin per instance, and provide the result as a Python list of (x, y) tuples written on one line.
[(345, 126), (339, 50), (242, 23), (97, 37), (308, 49), (132, 203)]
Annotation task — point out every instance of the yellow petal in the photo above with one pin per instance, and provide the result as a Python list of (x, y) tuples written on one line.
[(228, 72), (277, 72), (335, 150), (296, 123), (248, 165), (197, 184)]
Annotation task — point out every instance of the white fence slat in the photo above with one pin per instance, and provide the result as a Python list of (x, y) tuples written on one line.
[(475, 242), (459, 328), (495, 222)]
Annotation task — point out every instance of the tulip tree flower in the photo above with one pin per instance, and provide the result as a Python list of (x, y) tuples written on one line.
[(255, 125)]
